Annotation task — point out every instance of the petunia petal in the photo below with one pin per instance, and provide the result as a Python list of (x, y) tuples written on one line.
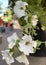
[(22, 59), (12, 40), (7, 57)]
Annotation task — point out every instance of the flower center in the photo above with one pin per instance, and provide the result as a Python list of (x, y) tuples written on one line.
[(27, 43), (21, 8)]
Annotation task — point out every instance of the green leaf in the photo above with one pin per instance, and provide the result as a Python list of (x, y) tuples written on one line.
[(38, 43), (17, 43), (22, 21), (43, 20)]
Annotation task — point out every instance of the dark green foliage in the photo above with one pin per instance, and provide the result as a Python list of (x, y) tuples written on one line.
[(43, 3), (22, 21)]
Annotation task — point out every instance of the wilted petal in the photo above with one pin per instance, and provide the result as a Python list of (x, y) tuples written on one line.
[(22, 59), (34, 20), (12, 40), (7, 57)]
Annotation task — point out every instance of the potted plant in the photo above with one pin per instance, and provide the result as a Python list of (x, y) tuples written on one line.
[(29, 15)]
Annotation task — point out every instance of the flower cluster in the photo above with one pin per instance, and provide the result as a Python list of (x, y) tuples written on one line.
[(26, 44)]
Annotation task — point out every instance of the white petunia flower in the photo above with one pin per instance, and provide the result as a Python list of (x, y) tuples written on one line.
[(21, 3), (34, 20), (22, 59), (7, 57), (27, 45), (12, 40), (19, 9)]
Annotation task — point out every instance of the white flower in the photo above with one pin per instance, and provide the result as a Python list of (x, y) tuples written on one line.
[(12, 40), (34, 20), (19, 9), (22, 59), (16, 25), (27, 45), (7, 56), (43, 28)]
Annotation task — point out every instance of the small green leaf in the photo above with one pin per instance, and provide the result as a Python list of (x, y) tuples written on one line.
[(17, 43), (39, 43)]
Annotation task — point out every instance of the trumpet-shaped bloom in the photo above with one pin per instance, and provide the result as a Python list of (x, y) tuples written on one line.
[(12, 40), (19, 9), (7, 56), (27, 45)]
